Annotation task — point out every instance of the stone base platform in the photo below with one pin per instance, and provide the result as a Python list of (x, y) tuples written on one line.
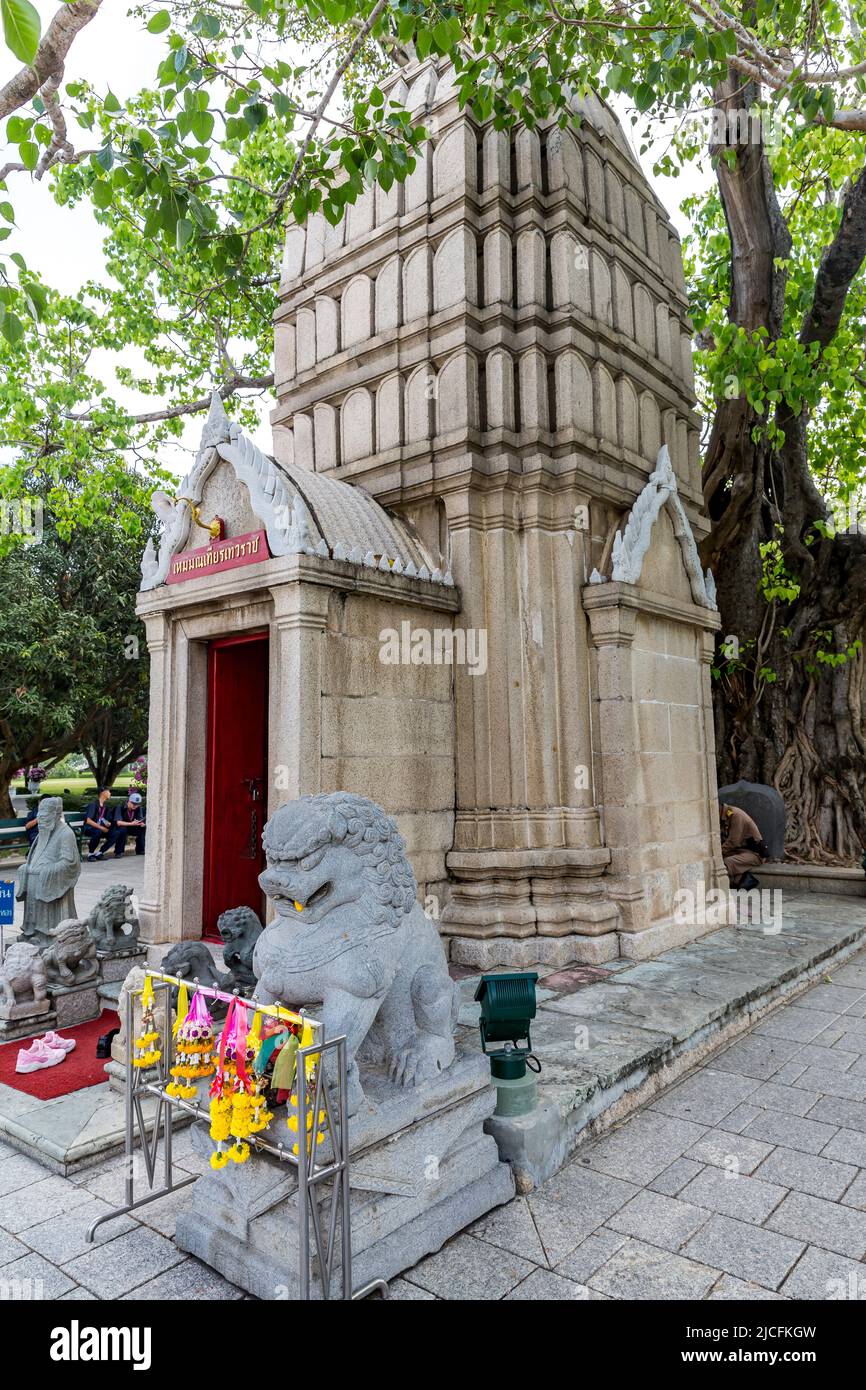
[(26, 1020), (70, 1132), (115, 966), (610, 1037), (519, 953), (421, 1169), (77, 1003), (813, 878)]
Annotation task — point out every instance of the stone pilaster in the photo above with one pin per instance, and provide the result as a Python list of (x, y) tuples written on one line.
[(528, 857), (300, 615), (152, 904)]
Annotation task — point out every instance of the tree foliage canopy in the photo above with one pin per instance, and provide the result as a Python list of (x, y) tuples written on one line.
[(267, 108), (263, 109), (73, 660)]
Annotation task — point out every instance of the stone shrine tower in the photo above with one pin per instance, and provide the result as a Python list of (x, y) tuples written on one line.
[(499, 352)]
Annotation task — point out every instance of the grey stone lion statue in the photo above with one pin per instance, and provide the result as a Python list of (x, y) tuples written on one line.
[(22, 975), (71, 957), (240, 929), (112, 921), (191, 960), (349, 932)]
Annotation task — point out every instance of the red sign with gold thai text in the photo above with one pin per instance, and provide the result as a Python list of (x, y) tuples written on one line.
[(226, 554)]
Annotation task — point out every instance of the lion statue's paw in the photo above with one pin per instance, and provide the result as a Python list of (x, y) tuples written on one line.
[(404, 1067)]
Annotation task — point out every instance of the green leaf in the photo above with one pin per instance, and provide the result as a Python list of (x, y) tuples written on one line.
[(17, 128), (7, 211), (21, 29), (159, 23), (201, 126), (255, 114), (101, 194), (12, 328), (29, 153), (183, 232), (37, 300)]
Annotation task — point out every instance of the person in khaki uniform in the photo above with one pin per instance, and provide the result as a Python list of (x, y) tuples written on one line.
[(743, 846)]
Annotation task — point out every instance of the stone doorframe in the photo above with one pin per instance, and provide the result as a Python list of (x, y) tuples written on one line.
[(289, 598)]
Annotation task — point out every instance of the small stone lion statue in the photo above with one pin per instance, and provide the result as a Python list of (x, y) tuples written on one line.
[(350, 932), (71, 957), (191, 960), (113, 923), (240, 929), (22, 975)]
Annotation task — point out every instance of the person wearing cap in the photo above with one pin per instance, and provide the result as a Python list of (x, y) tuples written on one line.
[(129, 820)]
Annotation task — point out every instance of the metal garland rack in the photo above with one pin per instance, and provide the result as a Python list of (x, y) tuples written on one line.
[(314, 1179)]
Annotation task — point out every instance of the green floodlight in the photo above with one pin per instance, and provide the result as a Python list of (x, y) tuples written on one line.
[(508, 1005)]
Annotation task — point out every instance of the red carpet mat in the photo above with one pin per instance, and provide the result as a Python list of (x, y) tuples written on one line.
[(79, 1069)]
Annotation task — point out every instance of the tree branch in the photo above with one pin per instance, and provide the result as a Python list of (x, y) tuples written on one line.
[(50, 55), (327, 96), (174, 412), (839, 264)]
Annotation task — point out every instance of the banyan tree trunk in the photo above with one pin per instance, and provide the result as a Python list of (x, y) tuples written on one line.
[(783, 716)]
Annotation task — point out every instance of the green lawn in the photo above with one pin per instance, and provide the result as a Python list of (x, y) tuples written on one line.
[(76, 786), (76, 791)]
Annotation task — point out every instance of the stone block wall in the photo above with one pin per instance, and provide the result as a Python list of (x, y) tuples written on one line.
[(387, 730)]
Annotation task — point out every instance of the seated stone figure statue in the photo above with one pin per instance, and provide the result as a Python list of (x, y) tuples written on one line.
[(350, 932), (46, 882)]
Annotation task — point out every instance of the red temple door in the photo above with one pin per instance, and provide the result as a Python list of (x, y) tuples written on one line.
[(236, 776)]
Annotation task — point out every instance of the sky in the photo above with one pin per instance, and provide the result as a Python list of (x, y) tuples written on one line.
[(64, 244)]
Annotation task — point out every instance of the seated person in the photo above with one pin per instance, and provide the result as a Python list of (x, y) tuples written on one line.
[(32, 825), (98, 823), (743, 846), (129, 819)]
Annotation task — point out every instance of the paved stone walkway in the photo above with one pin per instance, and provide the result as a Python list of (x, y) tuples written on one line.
[(94, 880), (745, 1180)]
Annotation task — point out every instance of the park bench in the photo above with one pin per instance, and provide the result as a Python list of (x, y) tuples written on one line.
[(14, 836)]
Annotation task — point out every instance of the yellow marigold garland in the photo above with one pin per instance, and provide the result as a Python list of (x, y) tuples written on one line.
[(194, 1046), (146, 1054)]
